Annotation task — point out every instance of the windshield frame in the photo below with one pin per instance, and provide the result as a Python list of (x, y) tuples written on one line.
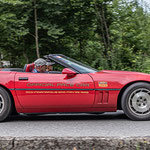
[(76, 65)]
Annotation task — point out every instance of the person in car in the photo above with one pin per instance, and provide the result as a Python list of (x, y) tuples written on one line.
[(50, 66), (40, 66)]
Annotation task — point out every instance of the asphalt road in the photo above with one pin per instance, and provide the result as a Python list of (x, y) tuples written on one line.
[(76, 125)]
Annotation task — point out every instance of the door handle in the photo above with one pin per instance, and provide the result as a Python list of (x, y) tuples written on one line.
[(23, 78)]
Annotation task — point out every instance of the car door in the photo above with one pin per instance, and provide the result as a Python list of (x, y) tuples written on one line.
[(42, 90)]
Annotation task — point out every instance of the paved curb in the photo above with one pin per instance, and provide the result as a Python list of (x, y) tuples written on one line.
[(74, 143)]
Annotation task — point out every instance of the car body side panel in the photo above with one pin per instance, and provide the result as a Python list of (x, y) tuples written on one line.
[(7, 81), (66, 110), (110, 83), (54, 90), (105, 85)]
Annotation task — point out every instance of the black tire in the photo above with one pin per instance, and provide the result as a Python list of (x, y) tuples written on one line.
[(135, 101), (5, 105)]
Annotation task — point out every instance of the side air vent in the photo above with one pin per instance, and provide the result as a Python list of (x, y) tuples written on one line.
[(101, 97)]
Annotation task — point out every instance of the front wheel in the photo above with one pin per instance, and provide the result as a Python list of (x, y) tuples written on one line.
[(135, 101)]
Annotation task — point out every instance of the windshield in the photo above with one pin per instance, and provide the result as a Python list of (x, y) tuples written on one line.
[(82, 68)]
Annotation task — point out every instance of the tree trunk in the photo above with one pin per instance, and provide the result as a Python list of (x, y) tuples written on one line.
[(101, 15), (107, 35), (106, 28), (36, 30), (100, 19)]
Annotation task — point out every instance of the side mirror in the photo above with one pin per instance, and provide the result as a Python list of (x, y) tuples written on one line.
[(69, 72)]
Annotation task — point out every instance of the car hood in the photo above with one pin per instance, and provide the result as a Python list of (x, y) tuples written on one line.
[(118, 79), (121, 72)]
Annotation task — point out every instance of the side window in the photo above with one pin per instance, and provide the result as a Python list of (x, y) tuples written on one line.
[(56, 69)]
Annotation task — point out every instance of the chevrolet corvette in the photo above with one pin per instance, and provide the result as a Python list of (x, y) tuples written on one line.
[(73, 87)]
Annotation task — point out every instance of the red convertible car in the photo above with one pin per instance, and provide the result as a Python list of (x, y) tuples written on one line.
[(73, 87)]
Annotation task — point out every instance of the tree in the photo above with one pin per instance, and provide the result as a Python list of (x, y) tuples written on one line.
[(106, 34)]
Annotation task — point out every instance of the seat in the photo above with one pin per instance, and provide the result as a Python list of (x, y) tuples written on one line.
[(29, 67)]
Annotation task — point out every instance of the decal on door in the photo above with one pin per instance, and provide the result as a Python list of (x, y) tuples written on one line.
[(58, 84), (58, 92)]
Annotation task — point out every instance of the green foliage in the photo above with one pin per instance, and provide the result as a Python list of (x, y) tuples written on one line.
[(106, 34)]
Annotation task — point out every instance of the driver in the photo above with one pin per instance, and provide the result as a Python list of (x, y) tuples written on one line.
[(50, 66), (40, 66)]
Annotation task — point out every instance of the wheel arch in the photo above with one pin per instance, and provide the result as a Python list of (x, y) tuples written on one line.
[(123, 89), (12, 98)]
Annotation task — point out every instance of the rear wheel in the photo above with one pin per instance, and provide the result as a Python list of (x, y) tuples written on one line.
[(136, 101), (5, 104)]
